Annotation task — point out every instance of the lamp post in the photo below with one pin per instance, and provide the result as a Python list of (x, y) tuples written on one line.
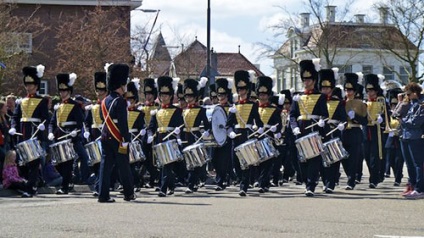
[(208, 55), (150, 33)]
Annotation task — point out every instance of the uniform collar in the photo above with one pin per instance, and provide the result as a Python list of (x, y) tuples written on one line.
[(307, 92), (149, 104), (191, 105), (31, 95), (243, 101), (165, 106), (264, 104)]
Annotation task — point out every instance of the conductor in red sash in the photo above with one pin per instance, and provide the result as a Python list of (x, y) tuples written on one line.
[(115, 136)]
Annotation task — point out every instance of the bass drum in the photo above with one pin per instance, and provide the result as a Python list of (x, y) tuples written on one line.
[(218, 118)]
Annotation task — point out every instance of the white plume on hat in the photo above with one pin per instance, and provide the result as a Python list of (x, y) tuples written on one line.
[(40, 70), (316, 64), (72, 78), (380, 78), (336, 72), (360, 77), (106, 67), (202, 83), (175, 84), (235, 97), (136, 82), (230, 83), (252, 76), (281, 98)]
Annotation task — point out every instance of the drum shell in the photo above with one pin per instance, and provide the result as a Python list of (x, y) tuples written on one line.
[(248, 153), (309, 146), (29, 150), (195, 156), (267, 149), (136, 152), (94, 151), (333, 152), (62, 151), (167, 152)]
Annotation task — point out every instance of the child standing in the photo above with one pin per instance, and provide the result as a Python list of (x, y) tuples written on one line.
[(11, 178)]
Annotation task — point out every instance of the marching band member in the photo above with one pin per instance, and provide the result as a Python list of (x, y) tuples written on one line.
[(150, 94), (394, 158), (270, 116), (376, 104), (412, 133), (222, 156), (94, 120), (115, 134), (307, 108), (194, 115), (135, 126), (167, 119), (243, 115), (68, 120), (213, 95), (352, 136), (337, 117), (29, 117), (180, 97)]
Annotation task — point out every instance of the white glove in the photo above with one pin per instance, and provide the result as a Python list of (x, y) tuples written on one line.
[(233, 109), (143, 132), (41, 127), (277, 136), (124, 144), (321, 123), (86, 134), (179, 141), (296, 97), (391, 134), (50, 137), (177, 131), (73, 133), (260, 130), (232, 135), (88, 107), (351, 114), (12, 131), (273, 128), (296, 131), (149, 139), (340, 126), (379, 119), (205, 134)]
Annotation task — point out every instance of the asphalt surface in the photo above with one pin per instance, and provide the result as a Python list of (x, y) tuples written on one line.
[(283, 212)]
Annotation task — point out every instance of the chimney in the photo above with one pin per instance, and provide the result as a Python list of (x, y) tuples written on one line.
[(360, 18), (384, 15), (331, 13), (304, 19)]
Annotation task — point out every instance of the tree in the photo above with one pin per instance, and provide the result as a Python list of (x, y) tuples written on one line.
[(16, 45), (89, 41), (408, 17)]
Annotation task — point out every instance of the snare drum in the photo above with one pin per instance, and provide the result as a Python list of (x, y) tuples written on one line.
[(94, 151), (136, 153), (248, 153), (29, 150), (63, 151), (167, 152), (195, 156), (267, 149), (309, 146), (333, 152)]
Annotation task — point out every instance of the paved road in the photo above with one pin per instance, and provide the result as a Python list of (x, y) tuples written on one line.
[(283, 212)]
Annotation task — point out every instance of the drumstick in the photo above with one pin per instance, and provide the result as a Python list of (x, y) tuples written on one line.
[(312, 125), (67, 135), (265, 132), (138, 135), (35, 133), (199, 139), (334, 130), (170, 134), (19, 134)]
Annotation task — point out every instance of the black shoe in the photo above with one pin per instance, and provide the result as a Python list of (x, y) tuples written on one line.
[(26, 195), (157, 189), (188, 191), (110, 200), (309, 193), (261, 190), (372, 185), (61, 192), (137, 190), (387, 175), (219, 188), (170, 192), (329, 190), (161, 194), (242, 193), (298, 183), (348, 187), (396, 184), (95, 194), (130, 198)]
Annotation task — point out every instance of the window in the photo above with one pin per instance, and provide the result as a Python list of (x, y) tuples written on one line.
[(344, 68), (404, 73), (388, 73), (43, 87), (20, 42), (367, 69)]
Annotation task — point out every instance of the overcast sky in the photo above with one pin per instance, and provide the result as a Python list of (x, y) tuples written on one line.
[(233, 22)]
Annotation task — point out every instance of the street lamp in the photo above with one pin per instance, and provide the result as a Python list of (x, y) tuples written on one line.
[(150, 32)]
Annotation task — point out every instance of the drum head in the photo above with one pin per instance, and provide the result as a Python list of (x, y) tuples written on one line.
[(219, 121)]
